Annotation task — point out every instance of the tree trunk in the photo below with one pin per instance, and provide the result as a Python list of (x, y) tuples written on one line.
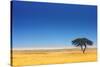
[(84, 48), (81, 47)]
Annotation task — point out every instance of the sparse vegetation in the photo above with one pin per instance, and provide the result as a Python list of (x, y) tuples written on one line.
[(82, 42)]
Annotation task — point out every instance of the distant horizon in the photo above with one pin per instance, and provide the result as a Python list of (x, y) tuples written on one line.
[(38, 24), (62, 47)]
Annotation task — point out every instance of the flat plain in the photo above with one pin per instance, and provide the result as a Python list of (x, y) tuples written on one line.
[(55, 56)]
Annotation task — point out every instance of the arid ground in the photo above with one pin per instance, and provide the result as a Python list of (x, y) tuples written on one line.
[(58, 56)]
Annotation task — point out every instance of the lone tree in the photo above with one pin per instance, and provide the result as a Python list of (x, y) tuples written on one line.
[(82, 42)]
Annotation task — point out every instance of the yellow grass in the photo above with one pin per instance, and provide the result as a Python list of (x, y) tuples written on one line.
[(35, 57)]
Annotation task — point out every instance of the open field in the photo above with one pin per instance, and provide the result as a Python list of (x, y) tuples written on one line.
[(58, 56)]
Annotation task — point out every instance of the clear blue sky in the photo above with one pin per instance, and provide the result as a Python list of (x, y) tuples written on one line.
[(38, 24)]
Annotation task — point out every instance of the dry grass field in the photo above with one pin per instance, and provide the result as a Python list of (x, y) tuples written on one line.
[(60, 56)]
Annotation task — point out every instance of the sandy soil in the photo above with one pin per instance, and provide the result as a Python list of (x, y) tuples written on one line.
[(60, 56)]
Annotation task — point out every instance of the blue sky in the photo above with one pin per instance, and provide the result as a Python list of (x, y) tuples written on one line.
[(37, 24)]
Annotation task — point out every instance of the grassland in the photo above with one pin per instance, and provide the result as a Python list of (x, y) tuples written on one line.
[(60, 56)]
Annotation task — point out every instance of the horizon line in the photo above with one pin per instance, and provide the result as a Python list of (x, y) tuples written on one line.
[(49, 48)]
